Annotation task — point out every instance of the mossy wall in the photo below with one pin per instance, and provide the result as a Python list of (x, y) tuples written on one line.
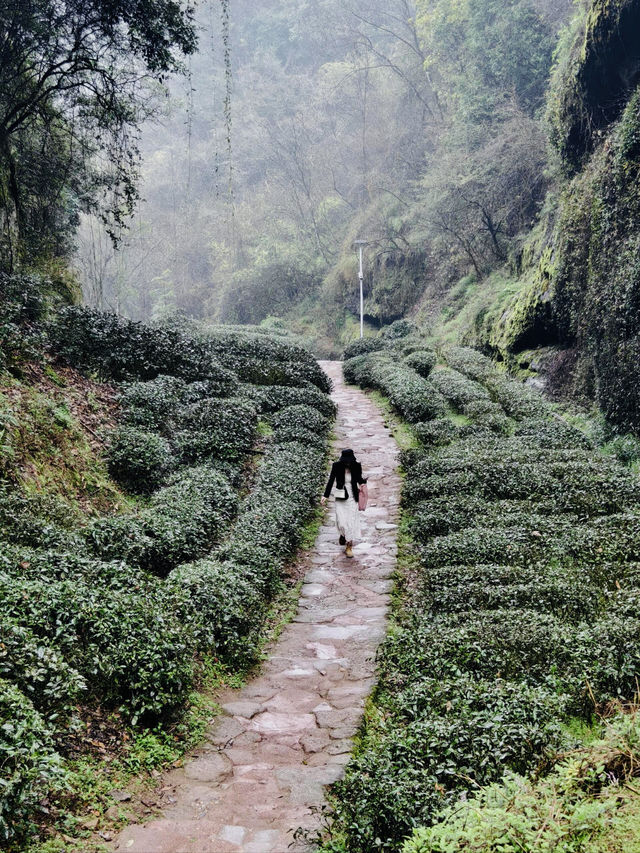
[(600, 297), (579, 287), (590, 89)]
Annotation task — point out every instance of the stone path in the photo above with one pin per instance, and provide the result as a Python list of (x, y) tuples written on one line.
[(285, 735)]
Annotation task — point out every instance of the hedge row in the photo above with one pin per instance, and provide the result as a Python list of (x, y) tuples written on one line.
[(413, 396), (115, 348), (264, 360), (522, 611), (121, 611), (118, 349)]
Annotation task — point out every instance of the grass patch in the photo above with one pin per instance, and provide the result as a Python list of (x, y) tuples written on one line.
[(402, 433), (85, 813)]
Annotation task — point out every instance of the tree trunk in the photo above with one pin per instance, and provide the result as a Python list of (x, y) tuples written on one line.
[(11, 203)]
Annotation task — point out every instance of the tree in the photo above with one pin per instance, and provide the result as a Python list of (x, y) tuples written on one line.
[(76, 81)]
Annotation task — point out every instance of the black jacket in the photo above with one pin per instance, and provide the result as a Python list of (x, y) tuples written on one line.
[(337, 476)]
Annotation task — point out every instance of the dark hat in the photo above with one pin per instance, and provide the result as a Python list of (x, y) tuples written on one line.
[(347, 455)]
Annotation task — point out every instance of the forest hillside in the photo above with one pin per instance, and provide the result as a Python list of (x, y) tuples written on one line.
[(182, 188), (485, 151)]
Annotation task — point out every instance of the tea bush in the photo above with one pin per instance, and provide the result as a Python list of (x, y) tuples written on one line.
[(302, 424), (422, 361), (140, 460), (225, 429), (116, 348), (398, 330), (519, 610), (128, 648), (442, 515), (180, 523), (437, 433), (558, 812), (289, 480), (149, 405), (414, 397), (457, 389), (221, 607), (551, 434), (119, 611), (453, 733), (523, 645), (563, 592), (276, 397), (34, 520), (485, 413), (265, 360), (357, 370), (54, 565), (30, 763), (472, 363), (362, 346), (25, 302), (34, 663)]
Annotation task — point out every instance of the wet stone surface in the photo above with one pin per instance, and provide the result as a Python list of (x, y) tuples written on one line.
[(262, 770)]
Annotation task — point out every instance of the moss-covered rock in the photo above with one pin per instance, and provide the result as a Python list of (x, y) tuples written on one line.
[(590, 88)]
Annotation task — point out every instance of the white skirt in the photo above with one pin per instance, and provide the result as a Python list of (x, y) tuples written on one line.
[(348, 518)]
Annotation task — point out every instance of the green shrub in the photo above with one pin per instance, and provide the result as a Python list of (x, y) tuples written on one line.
[(469, 361), (32, 662), (411, 395), (276, 397), (486, 413), (30, 765), (518, 401), (457, 389), (302, 424), (181, 523), (220, 607), (422, 361), (149, 405), (55, 565), (550, 434), (491, 544), (356, 371), (139, 460), (455, 733), (398, 329), (414, 397), (437, 433), (35, 520), (443, 515), (565, 593), (127, 645), (225, 429), (558, 812), (117, 348), (575, 480), (362, 346), (535, 648), (256, 564), (25, 304), (270, 517), (265, 360)]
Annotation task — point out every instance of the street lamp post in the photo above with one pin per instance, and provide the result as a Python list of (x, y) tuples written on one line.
[(360, 244)]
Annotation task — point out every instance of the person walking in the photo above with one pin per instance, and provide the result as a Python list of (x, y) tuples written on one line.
[(346, 476)]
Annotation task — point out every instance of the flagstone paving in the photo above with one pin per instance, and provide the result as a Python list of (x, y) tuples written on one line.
[(263, 768)]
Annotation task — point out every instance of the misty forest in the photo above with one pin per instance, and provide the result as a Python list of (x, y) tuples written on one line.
[(247, 244)]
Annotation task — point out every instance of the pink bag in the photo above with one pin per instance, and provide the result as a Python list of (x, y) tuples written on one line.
[(363, 497)]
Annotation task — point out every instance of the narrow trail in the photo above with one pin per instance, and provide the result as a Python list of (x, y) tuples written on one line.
[(262, 770)]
